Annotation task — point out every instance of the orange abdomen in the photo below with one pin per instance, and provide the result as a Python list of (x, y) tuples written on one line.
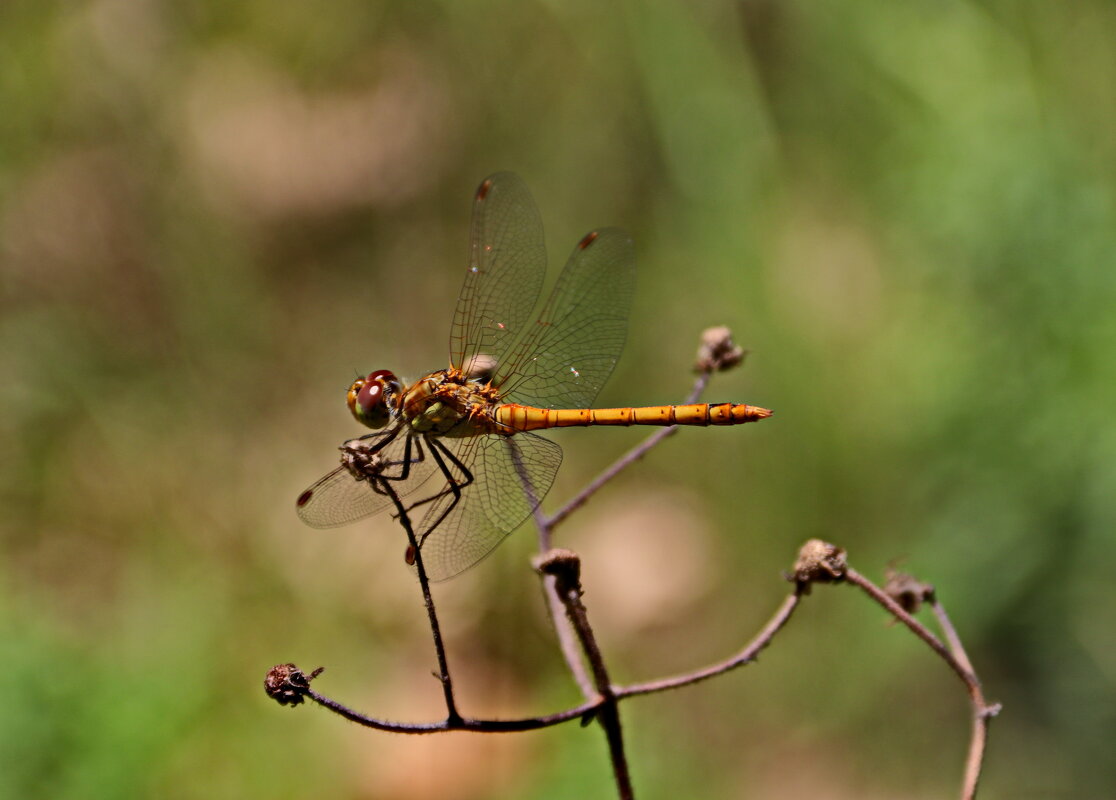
[(526, 418)]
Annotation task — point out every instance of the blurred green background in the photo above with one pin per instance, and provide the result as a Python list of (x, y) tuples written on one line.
[(212, 214)]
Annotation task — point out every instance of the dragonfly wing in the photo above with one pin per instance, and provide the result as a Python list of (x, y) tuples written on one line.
[(566, 358), (518, 472), (507, 265), (511, 475), (339, 498)]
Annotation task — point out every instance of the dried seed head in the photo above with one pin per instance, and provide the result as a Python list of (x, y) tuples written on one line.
[(819, 562), (717, 351), (288, 685), (909, 592)]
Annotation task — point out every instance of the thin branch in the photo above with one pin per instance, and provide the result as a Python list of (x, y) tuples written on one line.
[(452, 715), (746, 656), (290, 686), (609, 717), (565, 567), (567, 641), (958, 661), (821, 562), (983, 712), (461, 723), (916, 627), (951, 636)]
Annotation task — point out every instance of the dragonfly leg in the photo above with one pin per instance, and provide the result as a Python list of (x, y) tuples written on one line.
[(441, 454), (418, 458), (453, 486), (405, 462), (383, 439)]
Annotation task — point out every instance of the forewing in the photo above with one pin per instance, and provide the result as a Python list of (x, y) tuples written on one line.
[(512, 474), (567, 357), (339, 498), (507, 265)]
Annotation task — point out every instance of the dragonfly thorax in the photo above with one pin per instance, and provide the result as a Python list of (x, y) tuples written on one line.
[(372, 399), (446, 403)]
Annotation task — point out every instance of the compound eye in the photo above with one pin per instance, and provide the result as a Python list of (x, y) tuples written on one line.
[(385, 378), (370, 398)]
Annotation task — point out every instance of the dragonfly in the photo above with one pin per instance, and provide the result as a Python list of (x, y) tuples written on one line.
[(458, 442)]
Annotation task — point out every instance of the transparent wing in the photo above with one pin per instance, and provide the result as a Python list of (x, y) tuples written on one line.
[(507, 265), (339, 498), (565, 359), (511, 476)]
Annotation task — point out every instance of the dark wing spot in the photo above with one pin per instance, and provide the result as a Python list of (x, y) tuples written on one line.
[(304, 498), (588, 240)]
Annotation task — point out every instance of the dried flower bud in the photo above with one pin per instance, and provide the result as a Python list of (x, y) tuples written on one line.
[(819, 562), (907, 591), (288, 685), (717, 351)]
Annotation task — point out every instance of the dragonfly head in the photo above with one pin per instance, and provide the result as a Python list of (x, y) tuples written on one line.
[(371, 399)]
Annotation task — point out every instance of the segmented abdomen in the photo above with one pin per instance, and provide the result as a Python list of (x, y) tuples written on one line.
[(526, 418)]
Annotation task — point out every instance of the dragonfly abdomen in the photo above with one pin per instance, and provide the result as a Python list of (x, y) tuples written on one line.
[(527, 418)]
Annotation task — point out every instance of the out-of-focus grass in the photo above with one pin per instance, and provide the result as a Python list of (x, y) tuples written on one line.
[(212, 214)]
